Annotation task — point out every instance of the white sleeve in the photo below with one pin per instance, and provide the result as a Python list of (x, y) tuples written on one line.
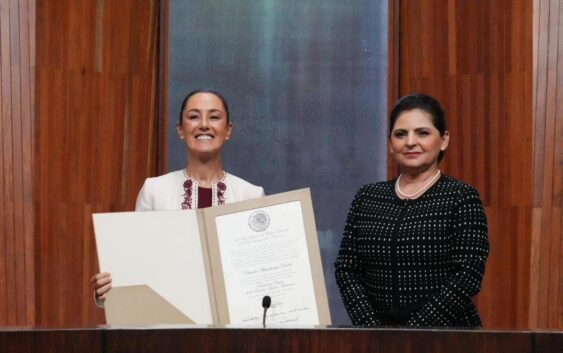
[(144, 198)]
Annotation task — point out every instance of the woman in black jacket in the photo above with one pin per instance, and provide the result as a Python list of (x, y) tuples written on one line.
[(414, 248)]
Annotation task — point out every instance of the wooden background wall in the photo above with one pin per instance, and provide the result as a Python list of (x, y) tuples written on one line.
[(546, 289), (17, 272), (97, 113), (83, 138), (477, 58)]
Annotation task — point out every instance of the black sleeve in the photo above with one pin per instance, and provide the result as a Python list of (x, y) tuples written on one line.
[(469, 253), (349, 273)]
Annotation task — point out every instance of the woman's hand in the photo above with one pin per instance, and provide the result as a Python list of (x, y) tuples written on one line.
[(101, 284)]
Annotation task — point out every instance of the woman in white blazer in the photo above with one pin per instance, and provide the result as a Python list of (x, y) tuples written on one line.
[(204, 126)]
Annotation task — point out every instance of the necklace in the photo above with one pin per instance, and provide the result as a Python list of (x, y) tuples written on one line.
[(191, 187), (420, 191)]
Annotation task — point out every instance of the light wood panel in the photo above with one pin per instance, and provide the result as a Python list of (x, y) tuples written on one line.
[(475, 57), (97, 103), (546, 289), (17, 272)]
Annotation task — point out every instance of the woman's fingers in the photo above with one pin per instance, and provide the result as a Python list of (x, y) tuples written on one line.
[(100, 280), (102, 291)]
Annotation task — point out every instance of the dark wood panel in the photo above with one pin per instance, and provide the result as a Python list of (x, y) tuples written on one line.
[(476, 58), (326, 340), (316, 340), (192, 339), (547, 342), (97, 108), (45, 341)]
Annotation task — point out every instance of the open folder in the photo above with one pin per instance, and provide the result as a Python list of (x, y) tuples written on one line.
[(215, 265)]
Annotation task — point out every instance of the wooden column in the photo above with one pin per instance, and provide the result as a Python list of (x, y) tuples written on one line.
[(97, 104), (17, 128), (546, 285)]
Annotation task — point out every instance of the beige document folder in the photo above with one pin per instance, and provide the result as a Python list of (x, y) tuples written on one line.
[(212, 266), (161, 250), (140, 306)]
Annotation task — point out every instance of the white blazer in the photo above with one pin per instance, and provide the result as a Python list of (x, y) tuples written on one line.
[(166, 192)]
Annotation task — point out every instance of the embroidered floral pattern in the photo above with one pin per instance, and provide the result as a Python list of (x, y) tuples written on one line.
[(186, 205), (191, 191), (221, 187)]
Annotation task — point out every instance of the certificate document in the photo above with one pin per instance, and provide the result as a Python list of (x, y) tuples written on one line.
[(267, 246), (215, 265), (264, 252)]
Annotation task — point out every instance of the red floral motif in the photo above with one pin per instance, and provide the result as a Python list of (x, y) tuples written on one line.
[(221, 187), (186, 205)]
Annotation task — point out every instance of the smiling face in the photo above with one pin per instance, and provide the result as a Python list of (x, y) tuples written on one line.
[(415, 142), (204, 125)]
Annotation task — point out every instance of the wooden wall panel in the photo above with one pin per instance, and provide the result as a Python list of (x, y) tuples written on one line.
[(97, 136), (546, 289), (97, 103), (17, 272), (475, 57)]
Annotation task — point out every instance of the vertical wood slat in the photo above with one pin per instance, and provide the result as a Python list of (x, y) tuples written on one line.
[(556, 204), (476, 58), (97, 111), (161, 78), (3, 169), (546, 288), (27, 22), (550, 168), (393, 58), (7, 160), (17, 262)]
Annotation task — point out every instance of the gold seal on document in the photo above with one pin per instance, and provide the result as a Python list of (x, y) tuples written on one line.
[(259, 221)]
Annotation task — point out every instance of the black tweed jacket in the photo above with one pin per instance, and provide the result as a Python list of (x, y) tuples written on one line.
[(416, 262)]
